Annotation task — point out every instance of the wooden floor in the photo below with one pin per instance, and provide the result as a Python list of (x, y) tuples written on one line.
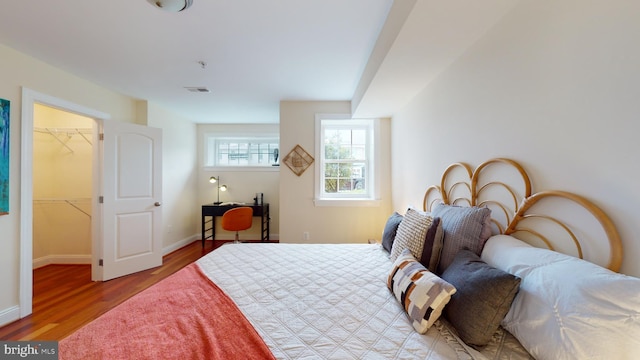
[(65, 298)]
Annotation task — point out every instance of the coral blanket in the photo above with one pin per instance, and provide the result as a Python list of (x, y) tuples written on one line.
[(185, 316)]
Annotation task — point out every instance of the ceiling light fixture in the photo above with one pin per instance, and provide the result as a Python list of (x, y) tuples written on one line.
[(171, 5)]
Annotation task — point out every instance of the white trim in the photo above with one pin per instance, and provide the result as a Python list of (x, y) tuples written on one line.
[(29, 99), (61, 259), (9, 315), (234, 136), (180, 244), (373, 151)]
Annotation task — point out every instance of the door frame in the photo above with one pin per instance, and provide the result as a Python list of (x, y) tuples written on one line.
[(29, 99)]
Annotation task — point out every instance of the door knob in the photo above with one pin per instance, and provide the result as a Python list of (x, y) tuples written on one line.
[(157, 203)]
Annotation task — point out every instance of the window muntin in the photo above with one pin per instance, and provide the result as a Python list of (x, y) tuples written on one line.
[(245, 151), (346, 159)]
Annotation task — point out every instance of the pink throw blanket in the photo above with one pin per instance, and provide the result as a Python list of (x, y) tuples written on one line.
[(185, 316)]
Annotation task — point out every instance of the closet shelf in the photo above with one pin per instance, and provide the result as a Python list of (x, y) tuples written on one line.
[(71, 202), (62, 135)]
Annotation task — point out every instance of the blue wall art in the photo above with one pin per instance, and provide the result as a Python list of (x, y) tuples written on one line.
[(4, 156)]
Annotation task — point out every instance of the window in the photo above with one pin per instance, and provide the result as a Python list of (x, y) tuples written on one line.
[(241, 151), (345, 161)]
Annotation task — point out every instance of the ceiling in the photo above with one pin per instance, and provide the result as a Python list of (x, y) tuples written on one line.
[(251, 54)]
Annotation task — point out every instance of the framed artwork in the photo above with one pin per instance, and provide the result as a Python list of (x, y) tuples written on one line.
[(298, 160), (4, 156)]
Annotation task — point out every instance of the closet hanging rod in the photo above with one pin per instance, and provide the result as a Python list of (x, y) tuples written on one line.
[(62, 199), (63, 130), (71, 202), (60, 141)]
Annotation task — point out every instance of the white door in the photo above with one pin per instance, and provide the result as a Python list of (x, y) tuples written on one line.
[(132, 194)]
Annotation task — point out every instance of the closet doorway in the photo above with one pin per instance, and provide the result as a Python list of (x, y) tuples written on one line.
[(62, 187), (126, 194)]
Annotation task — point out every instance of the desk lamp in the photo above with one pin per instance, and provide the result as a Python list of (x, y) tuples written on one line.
[(216, 180)]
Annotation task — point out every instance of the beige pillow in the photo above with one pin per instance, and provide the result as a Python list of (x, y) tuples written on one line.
[(411, 234)]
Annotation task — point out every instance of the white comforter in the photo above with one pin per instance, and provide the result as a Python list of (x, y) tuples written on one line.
[(325, 302)]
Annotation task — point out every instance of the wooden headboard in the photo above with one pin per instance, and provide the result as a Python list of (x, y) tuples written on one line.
[(559, 220)]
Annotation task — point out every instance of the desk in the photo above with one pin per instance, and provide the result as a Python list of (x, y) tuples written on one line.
[(212, 210)]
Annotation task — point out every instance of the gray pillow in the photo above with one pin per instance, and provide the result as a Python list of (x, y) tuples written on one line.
[(432, 245), (464, 228), (389, 232), (483, 298)]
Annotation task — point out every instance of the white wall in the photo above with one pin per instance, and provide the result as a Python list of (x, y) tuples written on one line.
[(179, 186), (16, 71), (242, 185), (180, 212), (325, 224), (554, 85)]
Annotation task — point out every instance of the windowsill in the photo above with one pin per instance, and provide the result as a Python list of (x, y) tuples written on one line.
[(347, 202), (243, 168)]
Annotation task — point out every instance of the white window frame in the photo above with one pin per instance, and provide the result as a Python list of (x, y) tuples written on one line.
[(210, 148), (372, 177)]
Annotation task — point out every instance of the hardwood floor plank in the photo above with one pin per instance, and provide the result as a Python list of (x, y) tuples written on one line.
[(65, 298), (34, 335)]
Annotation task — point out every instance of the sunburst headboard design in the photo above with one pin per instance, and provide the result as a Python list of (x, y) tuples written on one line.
[(559, 220)]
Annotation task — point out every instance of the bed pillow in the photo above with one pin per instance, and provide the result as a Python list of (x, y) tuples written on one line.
[(464, 228), (422, 294), (567, 307), (494, 249), (390, 229), (483, 297), (411, 233)]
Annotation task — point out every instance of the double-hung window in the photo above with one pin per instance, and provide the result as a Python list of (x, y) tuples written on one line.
[(345, 160)]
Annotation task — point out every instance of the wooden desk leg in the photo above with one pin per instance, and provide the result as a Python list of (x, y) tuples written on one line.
[(213, 228), (262, 226), (203, 231)]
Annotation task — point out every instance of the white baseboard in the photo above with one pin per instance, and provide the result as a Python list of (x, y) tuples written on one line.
[(61, 259), (177, 245), (9, 315), (86, 259)]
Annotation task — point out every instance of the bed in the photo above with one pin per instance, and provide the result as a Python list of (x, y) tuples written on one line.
[(486, 269)]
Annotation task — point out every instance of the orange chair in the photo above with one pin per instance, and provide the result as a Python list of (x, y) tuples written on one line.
[(237, 219)]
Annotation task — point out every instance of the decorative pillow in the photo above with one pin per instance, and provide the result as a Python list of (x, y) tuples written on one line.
[(483, 297), (568, 308), (411, 233), (390, 229), (422, 294), (464, 228), (433, 245)]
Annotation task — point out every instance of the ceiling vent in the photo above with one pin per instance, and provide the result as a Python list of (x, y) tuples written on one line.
[(197, 89)]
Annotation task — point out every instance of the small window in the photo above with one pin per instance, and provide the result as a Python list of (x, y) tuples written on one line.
[(345, 159), (241, 151)]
